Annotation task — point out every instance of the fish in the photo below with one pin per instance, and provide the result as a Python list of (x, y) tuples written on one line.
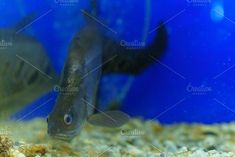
[(92, 55), (22, 61), (78, 89)]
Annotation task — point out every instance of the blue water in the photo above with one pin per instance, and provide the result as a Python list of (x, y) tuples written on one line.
[(200, 56), (192, 82)]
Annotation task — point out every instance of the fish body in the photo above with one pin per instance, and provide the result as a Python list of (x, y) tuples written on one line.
[(22, 59), (79, 85), (90, 55)]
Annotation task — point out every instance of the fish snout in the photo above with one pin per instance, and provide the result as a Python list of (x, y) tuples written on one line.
[(57, 133)]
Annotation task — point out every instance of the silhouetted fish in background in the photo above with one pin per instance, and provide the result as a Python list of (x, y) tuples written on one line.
[(23, 68), (90, 55)]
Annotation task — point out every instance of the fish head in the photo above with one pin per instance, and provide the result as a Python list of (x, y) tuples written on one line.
[(66, 121)]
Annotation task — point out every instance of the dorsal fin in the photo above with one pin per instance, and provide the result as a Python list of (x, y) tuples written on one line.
[(25, 21), (132, 60)]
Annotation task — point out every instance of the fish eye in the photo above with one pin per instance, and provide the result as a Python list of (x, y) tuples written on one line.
[(68, 119)]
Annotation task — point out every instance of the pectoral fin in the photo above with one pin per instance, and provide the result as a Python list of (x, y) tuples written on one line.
[(110, 119)]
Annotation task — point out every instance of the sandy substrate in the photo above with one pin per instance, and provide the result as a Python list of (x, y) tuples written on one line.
[(137, 139)]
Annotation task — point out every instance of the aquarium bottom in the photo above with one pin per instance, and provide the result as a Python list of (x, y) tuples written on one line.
[(137, 138)]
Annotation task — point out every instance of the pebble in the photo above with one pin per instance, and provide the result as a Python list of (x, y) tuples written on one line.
[(180, 140)]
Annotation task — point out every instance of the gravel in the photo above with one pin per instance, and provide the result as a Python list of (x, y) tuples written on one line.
[(138, 138)]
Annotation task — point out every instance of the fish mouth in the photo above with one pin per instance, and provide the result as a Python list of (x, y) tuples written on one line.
[(65, 137), (62, 137)]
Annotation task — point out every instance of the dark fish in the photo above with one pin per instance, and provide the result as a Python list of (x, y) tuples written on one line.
[(78, 90), (22, 61), (91, 54)]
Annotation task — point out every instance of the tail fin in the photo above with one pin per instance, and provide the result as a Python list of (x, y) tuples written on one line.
[(124, 58), (159, 44)]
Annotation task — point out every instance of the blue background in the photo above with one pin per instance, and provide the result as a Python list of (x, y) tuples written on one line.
[(193, 81)]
